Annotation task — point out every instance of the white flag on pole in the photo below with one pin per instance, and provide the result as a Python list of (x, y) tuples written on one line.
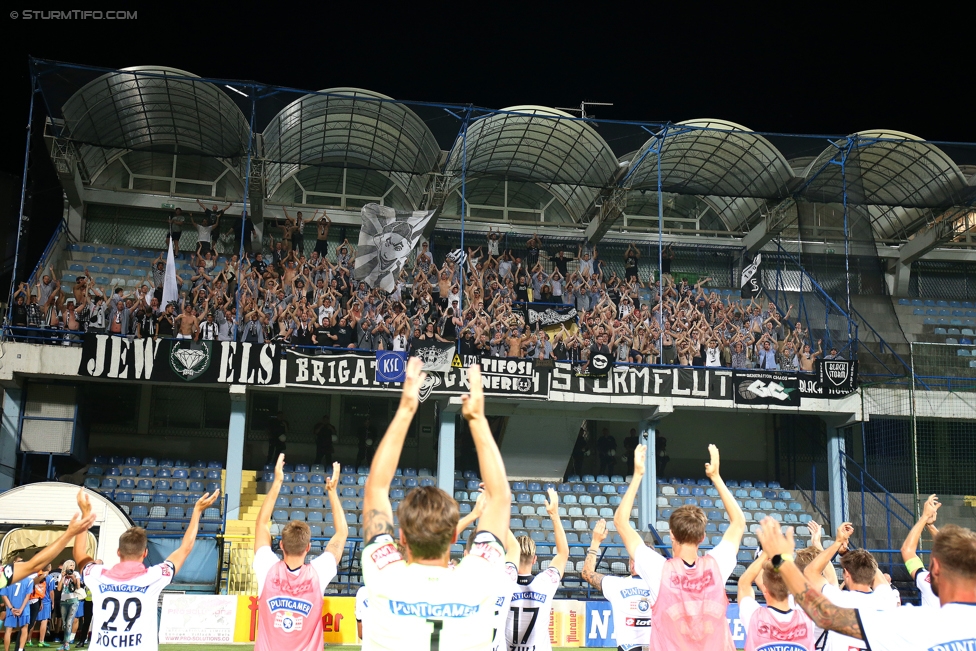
[(171, 284)]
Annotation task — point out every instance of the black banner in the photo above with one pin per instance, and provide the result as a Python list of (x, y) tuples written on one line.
[(646, 381), (766, 388), (355, 371), (180, 360), (751, 281), (837, 377)]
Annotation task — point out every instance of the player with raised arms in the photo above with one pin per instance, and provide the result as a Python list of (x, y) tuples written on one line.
[(290, 590), (629, 597), (777, 625), (950, 627), (864, 585), (125, 598), (528, 615), (687, 591), (15, 572), (909, 549), (417, 603)]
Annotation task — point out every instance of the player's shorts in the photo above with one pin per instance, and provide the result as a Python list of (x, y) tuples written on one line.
[(12, 621), (45, 611)]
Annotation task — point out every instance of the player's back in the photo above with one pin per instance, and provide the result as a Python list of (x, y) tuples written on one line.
[(417, 607), (528, 614), (630, 603), (124, 604), (879, 599)]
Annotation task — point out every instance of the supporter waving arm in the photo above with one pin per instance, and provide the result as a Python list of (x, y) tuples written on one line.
[(621, 518), (737, 521), (338, 541), (262, 528), (495, 518), (377, 510), (562, 545)]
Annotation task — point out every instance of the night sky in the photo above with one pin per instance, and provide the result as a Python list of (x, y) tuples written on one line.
[(814, 69)]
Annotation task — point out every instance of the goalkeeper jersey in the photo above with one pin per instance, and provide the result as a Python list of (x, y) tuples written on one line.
[(415, 607)]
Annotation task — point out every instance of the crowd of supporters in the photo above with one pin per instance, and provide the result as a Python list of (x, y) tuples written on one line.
[(481, 300)]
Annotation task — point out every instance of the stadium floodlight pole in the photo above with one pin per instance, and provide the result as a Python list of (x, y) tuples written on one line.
[(247, 182), (851, 143), (464, 200), (23, 197)]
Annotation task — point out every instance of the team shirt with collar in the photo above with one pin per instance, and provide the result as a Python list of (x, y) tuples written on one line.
[(804, 630), (880, 598), (630, 603), (923, 581), (949, 628), (413, 606), (527, 628), (264, 559), (124, 606)]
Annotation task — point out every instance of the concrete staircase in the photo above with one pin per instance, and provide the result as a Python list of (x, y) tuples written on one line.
[(237, 576), (874, 358)]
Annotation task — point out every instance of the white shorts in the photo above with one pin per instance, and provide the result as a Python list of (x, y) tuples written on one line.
[(184, 336)]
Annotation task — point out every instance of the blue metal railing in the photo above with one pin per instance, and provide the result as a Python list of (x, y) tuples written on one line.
[(870, 488), (52, 246), (883, 346)]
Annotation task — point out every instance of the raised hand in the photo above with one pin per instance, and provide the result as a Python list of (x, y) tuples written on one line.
[(600, 531), (931, 508), (206, 501), (481, 502), (279, 470), (84, 503), (473, 404), (815, 532), (552, 503), (410, 398), (80, 523), (844, 533), (773, 540), (332, 483), (711, 468), (640, 459)]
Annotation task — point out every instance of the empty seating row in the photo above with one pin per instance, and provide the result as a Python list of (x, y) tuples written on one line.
[(731, 483), (921, 302), (600, 479), (162, 473), (100, 460), (918, 311), (969, 323), (160, 485)]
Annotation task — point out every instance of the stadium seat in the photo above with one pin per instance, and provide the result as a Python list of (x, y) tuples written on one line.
[(92, 483)]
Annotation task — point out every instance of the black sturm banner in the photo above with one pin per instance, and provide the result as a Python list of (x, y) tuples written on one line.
[(766, 388), (837, 377), (500, 377), (180, 360)]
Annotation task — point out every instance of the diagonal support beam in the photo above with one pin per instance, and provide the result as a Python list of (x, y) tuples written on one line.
[(770, 226), (954, 222)]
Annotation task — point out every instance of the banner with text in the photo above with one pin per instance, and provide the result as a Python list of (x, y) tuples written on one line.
[(837, 377), (338, 620), (766, 388), (646, 381), (179, 360), (197, 619), (500, 377)]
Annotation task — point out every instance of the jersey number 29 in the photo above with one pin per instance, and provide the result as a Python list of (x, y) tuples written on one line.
[(127, 615)]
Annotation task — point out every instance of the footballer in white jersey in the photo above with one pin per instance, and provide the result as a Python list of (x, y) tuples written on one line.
[(125, 597), (630, 598), (124, 602), (416, 602), (527, 628), (362, 603)]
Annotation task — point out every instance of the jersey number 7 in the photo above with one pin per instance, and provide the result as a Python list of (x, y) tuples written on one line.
[(528, 630), (435, 635)]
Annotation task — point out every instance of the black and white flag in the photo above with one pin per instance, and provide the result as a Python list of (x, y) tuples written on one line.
[(436, 355), (550, 316), (751, 280), (837, 377), (386, 239), (458, 257)]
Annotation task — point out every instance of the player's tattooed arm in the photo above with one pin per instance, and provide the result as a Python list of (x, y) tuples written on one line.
[(826, 615), (375, 523)]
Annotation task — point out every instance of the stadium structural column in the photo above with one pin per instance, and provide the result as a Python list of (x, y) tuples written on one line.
[(235, 450), (647, 504), (837, 475), (446, 436), (10, 435)]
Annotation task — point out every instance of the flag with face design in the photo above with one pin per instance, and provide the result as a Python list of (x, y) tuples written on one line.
[(386, 239)]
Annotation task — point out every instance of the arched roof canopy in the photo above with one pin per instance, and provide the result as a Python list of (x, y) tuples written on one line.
[(540, 145), (351, 127), (153, 108), (885, 168), (737, 169)]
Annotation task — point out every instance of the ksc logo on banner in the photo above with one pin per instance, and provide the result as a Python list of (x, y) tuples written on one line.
[(391, 366)]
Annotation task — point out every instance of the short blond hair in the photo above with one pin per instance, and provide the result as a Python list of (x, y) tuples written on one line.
[(526, 550)]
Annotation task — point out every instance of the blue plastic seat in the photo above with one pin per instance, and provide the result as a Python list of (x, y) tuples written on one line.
[(145, 485), (112, 260), (298, 503), (175, 512), (92, 483), (179, 484), (196, 473), (299, 489), (162, 485), (127, 483)]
